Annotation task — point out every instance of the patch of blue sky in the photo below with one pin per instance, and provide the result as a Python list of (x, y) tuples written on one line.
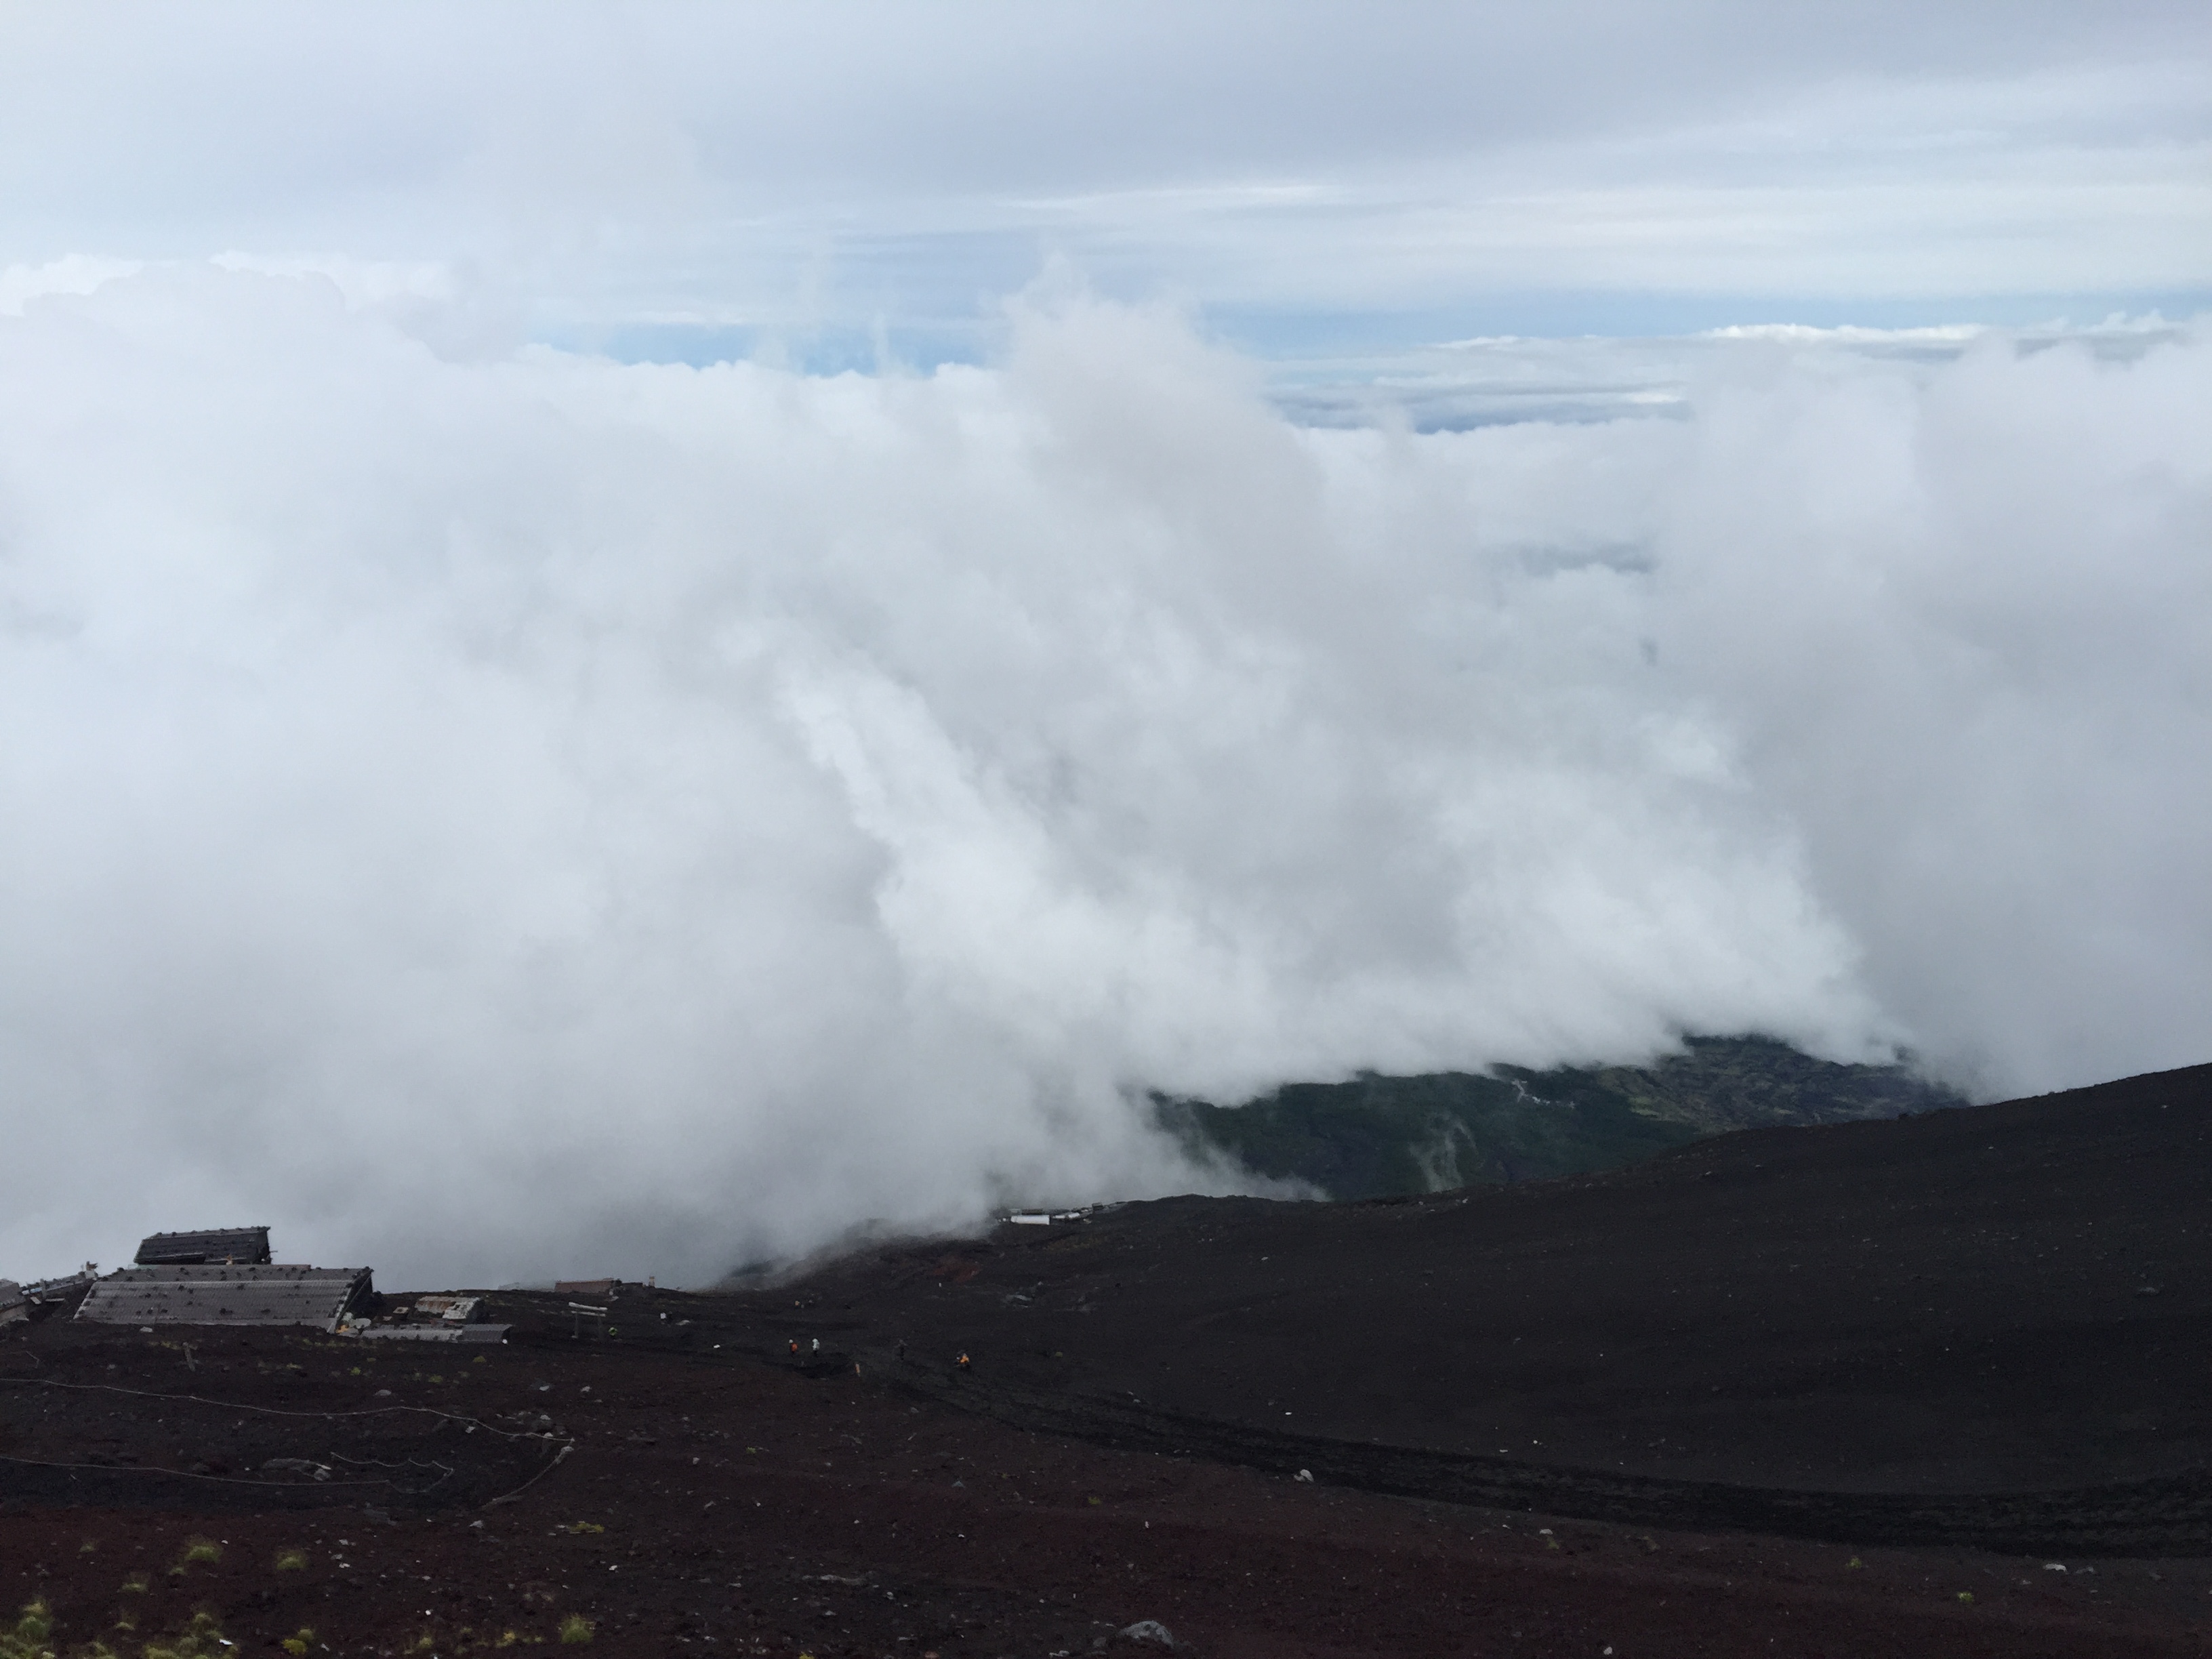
[(1285, 336), (825, 349), (1496, 359)]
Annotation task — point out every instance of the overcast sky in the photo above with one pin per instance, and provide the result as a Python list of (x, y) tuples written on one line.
[(1509, 536), (684, 180)]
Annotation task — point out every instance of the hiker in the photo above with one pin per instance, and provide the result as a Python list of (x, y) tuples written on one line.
[(794, 1347), (963, 1361)]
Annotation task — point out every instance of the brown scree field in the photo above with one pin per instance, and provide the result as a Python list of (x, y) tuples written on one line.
[(1933, 1386)]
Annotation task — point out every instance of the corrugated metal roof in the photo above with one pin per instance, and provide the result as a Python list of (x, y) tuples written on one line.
[(212, 1295), (240, 1244)]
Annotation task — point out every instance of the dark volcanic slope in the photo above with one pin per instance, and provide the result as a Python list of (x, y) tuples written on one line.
[(711, 1504), (1978, 1301), (1925, 1318)]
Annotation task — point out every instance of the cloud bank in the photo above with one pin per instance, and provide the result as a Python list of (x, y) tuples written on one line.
[(516, 814)]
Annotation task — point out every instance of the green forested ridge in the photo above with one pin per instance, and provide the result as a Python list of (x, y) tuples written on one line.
[(1377, 1137)]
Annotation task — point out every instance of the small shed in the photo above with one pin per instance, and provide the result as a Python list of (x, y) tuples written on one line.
[(243, 1245), (211, 1294), (441, 1318)]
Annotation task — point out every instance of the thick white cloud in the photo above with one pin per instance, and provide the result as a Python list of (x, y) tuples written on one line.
[(1963, 630), (522, 813)]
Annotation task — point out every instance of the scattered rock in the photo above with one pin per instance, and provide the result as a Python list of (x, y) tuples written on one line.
[(1147, 1632)]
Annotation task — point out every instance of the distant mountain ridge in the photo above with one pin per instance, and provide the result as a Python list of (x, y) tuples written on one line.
[(1382, 1136)]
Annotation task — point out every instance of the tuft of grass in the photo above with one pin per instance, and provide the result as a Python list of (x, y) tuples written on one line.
[(576, 1628), (202, 1638), (201, 1549), (134, 1584), (297, 1646), (26, 1637), (292, 1561), (585, 1526)]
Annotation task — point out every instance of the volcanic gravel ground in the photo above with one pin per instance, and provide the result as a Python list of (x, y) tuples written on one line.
[(1986, 1325), (719, 1505), (1869, 1331)]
